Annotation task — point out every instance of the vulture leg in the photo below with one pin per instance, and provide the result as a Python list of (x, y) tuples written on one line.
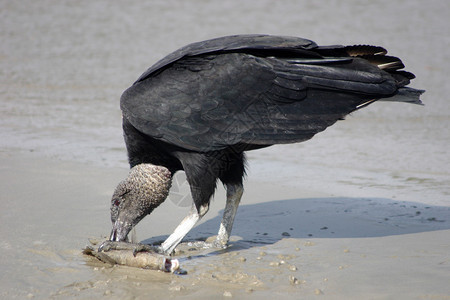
[(184, 227), (234, 194), (202, 172)]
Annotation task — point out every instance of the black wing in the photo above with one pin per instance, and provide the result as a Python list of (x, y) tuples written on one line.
[(250, 42), (215, 100)]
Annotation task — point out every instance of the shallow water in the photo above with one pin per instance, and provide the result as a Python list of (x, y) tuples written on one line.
[(284, 242), (63, 67)]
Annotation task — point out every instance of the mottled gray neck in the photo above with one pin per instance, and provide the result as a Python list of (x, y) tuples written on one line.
[(151, 183)]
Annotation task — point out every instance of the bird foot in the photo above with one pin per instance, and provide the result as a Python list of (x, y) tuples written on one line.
[(210, 243), (136, 248), (219, 244)]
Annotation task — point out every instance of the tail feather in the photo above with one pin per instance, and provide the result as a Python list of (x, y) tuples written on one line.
[(403, 78), (407, 95), (377, 56), (384, 62), (360, 50)]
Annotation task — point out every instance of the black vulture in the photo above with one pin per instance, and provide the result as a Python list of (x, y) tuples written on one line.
[(201, 107)]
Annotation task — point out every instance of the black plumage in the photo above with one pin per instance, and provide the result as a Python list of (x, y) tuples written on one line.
[(201, 107)]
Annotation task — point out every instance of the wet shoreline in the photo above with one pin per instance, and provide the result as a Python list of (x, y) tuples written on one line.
[(319, 244), (360, 210)]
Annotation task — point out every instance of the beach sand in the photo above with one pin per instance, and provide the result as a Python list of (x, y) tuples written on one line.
[(361, 211), (283, 245)]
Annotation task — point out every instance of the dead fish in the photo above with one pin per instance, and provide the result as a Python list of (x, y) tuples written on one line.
[(144, 260)]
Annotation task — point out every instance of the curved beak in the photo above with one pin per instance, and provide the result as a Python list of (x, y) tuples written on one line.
[(119, 232)]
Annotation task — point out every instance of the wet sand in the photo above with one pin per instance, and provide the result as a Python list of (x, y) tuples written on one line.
[(360, 211), (288, 247)]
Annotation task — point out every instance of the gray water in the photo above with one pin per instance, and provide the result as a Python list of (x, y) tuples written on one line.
[(64, 65)]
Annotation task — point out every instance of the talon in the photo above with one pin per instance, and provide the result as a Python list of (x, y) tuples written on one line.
[(219, 244), (142, 248), (136, 251), (159, 250), (105, 246)]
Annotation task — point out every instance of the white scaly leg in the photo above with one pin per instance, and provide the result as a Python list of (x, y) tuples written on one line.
[(234, 194), (183, 228)]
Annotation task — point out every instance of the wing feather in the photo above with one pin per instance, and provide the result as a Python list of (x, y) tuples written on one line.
[(228, 99)]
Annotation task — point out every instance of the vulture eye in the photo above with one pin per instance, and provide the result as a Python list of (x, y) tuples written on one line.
[(117, 202)]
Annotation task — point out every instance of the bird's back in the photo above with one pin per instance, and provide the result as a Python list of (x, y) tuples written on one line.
[(258, 90)]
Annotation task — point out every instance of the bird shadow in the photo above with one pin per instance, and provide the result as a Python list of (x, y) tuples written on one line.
[(269, 222)]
